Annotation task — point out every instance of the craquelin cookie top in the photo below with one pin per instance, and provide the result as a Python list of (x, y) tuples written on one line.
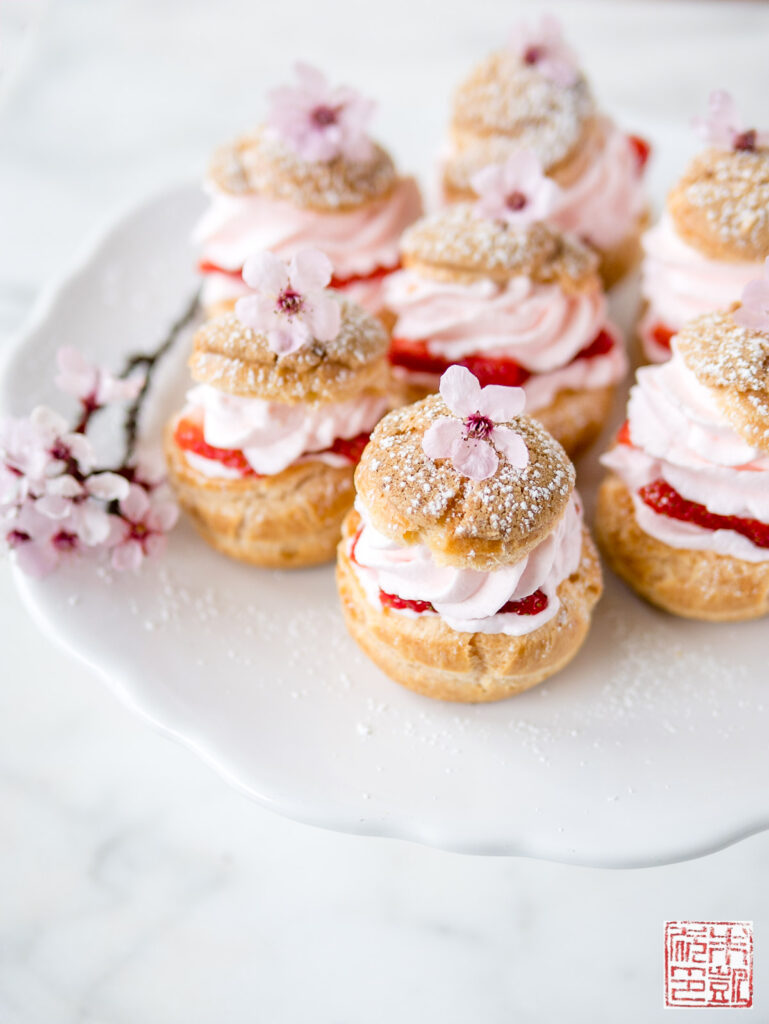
[(238, 359), (507, 100), (262, 163), (475, 524), (456, 244), (721, 204), (733, 362)]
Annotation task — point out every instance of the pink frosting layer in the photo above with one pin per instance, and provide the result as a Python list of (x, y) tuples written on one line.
[(358, 242), (469, 601), (605, 202), (273, 435), (539, 326), (679, 283), (679, 435)]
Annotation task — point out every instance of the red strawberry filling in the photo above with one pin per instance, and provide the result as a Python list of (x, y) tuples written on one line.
[(189, 437), (531, 605), (206, 267), (642, 150), (666, 501), (662, 335), (415, 357)]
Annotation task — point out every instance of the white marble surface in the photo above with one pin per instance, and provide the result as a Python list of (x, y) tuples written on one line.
[(134, 886)]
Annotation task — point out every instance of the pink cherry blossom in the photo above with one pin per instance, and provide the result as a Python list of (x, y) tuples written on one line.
[(38, 542), (35, 448), (472, 438), (754, 310), (516, 192), (145, 522), (93, 385), (722, 125), (318, 121), (289, 304), (544, 47)]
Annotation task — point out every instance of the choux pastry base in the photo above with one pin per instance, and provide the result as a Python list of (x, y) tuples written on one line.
[(287, 521), (693, 584), (427, 656)]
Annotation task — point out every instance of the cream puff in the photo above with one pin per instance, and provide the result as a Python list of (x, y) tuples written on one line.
[(514, 300), (465, 570), (532, 95), (714, 234), (684, 515), (310, 177), (289, 386)]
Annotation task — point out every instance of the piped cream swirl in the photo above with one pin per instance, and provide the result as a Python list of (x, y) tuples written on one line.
[(357, 241), (679, 435), (680, 283), (467, 600), (274, 435)]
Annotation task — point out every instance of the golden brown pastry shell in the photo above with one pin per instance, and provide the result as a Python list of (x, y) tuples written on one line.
[(427, 656), (692, 584)]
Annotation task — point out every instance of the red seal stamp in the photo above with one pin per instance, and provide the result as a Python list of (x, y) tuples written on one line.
[(709, 963)]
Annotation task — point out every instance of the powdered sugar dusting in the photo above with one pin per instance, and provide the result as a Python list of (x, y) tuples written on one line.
[(730, 189), (458, 239), (238, 359), (261, 163), (514, 101)]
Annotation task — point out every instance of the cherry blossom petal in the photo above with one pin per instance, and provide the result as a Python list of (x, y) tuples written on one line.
[(512, 445), (47, 420), (460, 390), (54, 506), (163, 516), (266, 273), (135, 504), (474, 459), (249, 309), (289, 337), (325, 317), (36, 559), (155, 545), (107, 486), (754, 311), (127, 556), (92, 523), (440, 436), (501, 404), (65, 485), (116, 389), (310, 270), (81, 450), (76, 376)]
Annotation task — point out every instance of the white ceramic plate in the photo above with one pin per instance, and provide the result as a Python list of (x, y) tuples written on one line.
[(650, 747)]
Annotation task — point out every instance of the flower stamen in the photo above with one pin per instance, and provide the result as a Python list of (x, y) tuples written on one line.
[(478, 427), (290, 302)]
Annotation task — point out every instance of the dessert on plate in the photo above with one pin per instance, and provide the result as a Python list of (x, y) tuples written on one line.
[(533, 95), (310, 177), (465, 569), (289, 385), (714, 233), (684, 514), (494, 287)]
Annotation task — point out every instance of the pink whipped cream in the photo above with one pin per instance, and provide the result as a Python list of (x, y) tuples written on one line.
[(605, 202), (467, 600), (274, 435), (358, 242), (539, 326), (679, 283), (679, 435)]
